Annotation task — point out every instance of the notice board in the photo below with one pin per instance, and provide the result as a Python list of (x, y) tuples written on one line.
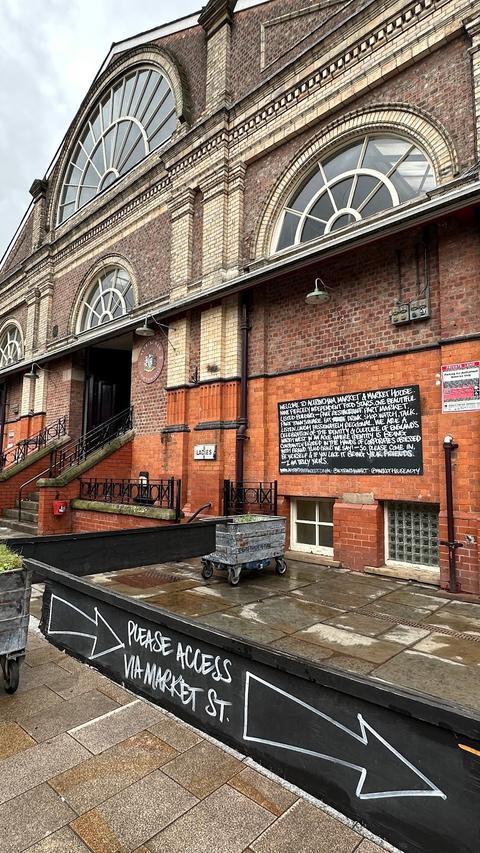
[(366, 432)]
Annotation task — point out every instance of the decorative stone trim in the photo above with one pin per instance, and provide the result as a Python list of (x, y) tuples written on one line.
[(175, 428), (159, 513), (400, 119), (206, 425)]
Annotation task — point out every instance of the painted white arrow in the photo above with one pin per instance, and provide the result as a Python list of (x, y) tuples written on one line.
[(363, 738), (61, 610)]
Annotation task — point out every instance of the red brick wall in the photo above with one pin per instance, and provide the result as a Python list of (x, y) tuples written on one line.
[(358, 534), (91, 522), (65, 391)]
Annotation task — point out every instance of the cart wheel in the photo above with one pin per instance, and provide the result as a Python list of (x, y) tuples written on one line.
[(207, 570), (233, 577), (280, 565), (11, 674)]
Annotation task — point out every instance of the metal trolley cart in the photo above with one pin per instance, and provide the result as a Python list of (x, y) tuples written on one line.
[(247, 542), (15, 589)]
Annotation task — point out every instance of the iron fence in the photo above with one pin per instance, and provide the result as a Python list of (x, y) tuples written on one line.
[(74, 452), (140, 492), (23, 448), (249, 496)]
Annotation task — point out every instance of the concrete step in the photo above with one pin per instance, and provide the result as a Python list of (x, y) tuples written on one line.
[(30, 506), (33, 496), (20, 527), (27, 515)]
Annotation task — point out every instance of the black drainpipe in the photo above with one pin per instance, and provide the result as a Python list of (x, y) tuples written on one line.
[(449, 446), (241, 436)]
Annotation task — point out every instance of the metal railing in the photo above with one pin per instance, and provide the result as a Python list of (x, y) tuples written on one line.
[(250, 496), (23, 448), (76, 451), (155, 493)]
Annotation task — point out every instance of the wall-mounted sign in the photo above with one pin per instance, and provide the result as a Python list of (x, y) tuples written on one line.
[(367, 432), (461, 387), (151, 360), (205, 451)]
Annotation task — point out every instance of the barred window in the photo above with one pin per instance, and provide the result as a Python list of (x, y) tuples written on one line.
[(412, 533), (109, 298), (374, 174), (135, 116), (11, 345)]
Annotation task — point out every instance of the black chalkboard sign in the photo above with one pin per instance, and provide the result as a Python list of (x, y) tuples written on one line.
[(367, 432)]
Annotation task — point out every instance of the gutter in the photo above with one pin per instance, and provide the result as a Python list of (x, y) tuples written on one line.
[(361, 234)]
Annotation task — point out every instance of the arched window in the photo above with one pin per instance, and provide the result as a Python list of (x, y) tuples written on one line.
[(373, 174), (108, 298), (135, 116), (11, 345)]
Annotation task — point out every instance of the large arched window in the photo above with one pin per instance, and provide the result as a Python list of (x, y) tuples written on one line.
[(108, 298), (373, 174), (11, 345), (134, 116)]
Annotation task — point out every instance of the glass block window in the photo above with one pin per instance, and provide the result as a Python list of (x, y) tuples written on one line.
[(109, 298), (412, 533), (11, 346), (312, 525), (134, 116), (371, 175)]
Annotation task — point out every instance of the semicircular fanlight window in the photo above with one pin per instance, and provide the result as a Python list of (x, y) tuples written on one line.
[(109, 298), (133, 117), (11, 346)]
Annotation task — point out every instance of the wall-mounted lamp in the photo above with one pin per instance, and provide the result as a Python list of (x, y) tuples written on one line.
[(146, 331), (319, 294), (33, 372)]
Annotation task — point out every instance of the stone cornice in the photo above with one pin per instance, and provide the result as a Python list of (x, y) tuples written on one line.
[(215, 14)]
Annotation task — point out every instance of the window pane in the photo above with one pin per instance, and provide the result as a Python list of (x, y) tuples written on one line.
[(343, 162), (341, 192), (307, 191), (381, 200), (306, 534), (306, 510), (323, 208), (413, 176), (383, 152), (288, 230), (342, 221), (312, 228), (326, 510), (325, 536), (365, 185)]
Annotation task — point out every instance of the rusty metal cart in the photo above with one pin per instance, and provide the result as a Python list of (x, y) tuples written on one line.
[(247, 542), (15, 590)]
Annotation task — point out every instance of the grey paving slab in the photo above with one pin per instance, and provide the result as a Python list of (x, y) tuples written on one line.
[(397, 612), (125, 721), (70, 713), (203, 768), (450, 617), (62, 841), (299, 648), (369, 847), (30, 817), (225, 822), (428, 674), (232, 596), (414, 597), (104, 775), (32, 677), (367, 625), (284, 613), (307, 829), (82, 681), (150, 805), (451, 648), (349, 664), (44, 654), (246, 628), (405, 634), (175, 733), (341, 600), (350, 643), (13, 739), (33, 766), (23, 705), (263, 791)]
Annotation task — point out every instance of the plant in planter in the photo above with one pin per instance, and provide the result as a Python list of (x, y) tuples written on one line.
[(15, 589)]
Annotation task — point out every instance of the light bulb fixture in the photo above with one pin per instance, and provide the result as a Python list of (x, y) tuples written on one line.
[(145, 331), (319, 294), (32, 373)]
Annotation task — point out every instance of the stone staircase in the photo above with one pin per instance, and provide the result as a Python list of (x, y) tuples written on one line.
[(10, 525)]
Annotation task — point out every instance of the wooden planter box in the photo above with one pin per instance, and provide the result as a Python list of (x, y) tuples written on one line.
[(15, 589)]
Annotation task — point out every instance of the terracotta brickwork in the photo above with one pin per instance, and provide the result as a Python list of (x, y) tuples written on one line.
[(262, 95)]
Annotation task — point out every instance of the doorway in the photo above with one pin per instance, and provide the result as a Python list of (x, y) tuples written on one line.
[(107, 382)]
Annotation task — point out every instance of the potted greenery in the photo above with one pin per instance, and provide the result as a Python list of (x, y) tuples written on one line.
[(15, 589)]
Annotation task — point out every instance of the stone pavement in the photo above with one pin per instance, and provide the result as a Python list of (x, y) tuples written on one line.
[(401, 632), (86, 765)]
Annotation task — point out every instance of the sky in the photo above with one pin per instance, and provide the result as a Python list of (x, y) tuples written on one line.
[(51, 51)]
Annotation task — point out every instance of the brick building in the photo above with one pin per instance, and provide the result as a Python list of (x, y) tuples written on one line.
[(284, 194)]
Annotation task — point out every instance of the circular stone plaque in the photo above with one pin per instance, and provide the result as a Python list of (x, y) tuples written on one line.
[(150, 361)]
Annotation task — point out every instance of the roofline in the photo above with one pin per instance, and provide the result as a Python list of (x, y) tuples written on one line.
[(358, 235)]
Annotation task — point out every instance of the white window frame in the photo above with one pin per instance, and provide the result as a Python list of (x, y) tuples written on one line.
[(298, 546), (399, 563)]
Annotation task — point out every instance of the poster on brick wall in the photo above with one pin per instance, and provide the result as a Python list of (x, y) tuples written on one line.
[(461, 387), (367, 432)]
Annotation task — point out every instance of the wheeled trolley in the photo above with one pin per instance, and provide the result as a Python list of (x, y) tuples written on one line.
[(15, 590), (247, 542)]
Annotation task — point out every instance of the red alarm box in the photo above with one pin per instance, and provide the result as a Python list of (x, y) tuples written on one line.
[(59, 507)]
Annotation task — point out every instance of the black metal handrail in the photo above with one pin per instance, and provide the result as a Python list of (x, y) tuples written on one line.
[(23, 448), (261, 497), (156, 493), (76, 451)]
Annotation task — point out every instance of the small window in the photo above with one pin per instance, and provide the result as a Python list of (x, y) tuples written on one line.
[(411, 533), (312, 525), (11, 346), (109, 298)]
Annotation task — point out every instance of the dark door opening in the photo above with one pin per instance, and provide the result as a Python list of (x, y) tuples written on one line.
[(107, 385)]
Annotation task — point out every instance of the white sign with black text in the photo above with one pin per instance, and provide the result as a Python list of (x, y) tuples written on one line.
[(205, 451)]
